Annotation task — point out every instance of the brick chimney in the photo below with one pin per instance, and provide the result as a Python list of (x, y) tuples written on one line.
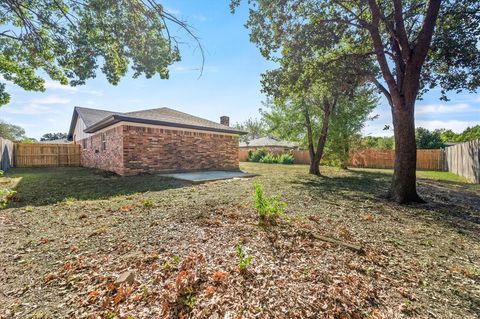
[(225, 120)]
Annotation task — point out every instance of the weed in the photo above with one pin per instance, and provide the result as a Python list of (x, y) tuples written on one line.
[(268, 208), (243, 259), (111, 315), (147, 202), (189, 300), (6, 196)]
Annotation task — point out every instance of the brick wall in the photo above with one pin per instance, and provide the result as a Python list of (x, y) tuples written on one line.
[(110, 159), (136, 149), (148, 149)]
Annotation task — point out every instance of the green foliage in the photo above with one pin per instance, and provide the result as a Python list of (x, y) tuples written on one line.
[(255, 128), (382, 143), (53, 136), (469, 134), (426, 139), (1, 173), (10, 131), (148, 203), (257, 155), (69, 40), (285, 158), (5, 196), (269, 159), (268, 208), (243, 259)]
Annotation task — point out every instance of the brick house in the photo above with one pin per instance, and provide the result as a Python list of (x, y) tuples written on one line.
[(155, 140)]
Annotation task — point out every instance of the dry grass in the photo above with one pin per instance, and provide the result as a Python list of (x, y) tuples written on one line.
[(72, 232)]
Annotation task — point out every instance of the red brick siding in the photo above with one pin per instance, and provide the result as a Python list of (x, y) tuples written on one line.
[(148, 149), (110, 159)]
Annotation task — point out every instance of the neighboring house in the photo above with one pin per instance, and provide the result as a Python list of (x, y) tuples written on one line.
[(272, 144), (153, 140)]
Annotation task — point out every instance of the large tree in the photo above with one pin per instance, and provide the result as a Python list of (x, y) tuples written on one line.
[(68, 40), (11, 132), (411, 57), (54, 136)]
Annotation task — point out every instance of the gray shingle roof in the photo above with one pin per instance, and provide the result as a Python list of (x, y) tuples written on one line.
[(267, 142), (97, 119)]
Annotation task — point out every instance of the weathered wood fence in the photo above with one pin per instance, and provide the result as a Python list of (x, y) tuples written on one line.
[(464, 160), (6, 154), (46, 155), (373, 158)]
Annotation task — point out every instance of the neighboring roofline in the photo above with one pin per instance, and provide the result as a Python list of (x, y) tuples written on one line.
[(115, 118), (72, 124)]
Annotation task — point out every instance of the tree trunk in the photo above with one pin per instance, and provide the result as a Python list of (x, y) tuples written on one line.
[(403, 189)]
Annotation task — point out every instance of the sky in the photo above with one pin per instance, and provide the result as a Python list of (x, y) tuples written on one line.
[(229, 84)]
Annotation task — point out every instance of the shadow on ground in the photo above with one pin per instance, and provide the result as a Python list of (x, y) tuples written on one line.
[(453, 204), (44, 186)]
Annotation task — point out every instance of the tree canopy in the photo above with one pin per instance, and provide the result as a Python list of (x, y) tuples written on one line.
[(53, 136), (428, 139), (68, 40), (254, 128), (397, 36), (11, 132)]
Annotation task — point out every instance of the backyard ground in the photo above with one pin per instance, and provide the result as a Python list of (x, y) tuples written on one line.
[(69, 233)]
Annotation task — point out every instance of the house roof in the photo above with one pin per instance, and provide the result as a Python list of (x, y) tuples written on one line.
[(97, 119), (267, 142)]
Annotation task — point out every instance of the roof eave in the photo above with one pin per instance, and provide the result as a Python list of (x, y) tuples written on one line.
[(120, 118)]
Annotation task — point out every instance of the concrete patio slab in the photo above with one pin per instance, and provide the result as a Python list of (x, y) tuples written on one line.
[(205, 176)]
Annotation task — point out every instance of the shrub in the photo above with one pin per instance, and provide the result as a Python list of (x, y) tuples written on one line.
[(257, 155), (269, 158), (268, 208), (285, 159), (243, 259)]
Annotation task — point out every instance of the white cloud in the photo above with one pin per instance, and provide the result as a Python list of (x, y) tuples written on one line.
[(443, 108), (36, 106), (94, 92), (50, 99), (57, 86), (454, 125)]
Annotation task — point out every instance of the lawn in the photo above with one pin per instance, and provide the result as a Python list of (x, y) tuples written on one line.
[(70, 232)]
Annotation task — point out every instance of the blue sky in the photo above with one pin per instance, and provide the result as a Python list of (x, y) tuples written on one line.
[(230, 84)]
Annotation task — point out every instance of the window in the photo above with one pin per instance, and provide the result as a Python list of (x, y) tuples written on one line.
[(84, 143), (104, 141)]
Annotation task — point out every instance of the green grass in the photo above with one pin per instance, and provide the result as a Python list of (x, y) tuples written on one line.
[(433, 175), (42, 186)]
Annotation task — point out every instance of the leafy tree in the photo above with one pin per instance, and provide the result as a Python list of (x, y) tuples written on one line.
[(11, 132), (382, 143), (426, 139), (69, 39), (346, 124), (399, 35), (308, 121), (53, 136), (469, 134), (255, 128)]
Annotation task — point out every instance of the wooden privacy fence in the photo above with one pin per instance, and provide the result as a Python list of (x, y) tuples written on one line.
[(46, 155), (372, 158), (464, 160), (6, 154)]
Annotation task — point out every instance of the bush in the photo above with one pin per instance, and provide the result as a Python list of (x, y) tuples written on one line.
[(285, 158), (269, 158), (257, 155), (268, 208)]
